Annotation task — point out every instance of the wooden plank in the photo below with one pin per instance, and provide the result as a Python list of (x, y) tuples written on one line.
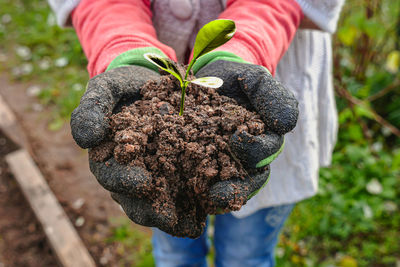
[(6, 116), (62, 236), (9, 125)]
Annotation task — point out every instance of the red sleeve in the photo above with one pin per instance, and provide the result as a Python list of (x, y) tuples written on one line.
[(106, 29), (265, 29)]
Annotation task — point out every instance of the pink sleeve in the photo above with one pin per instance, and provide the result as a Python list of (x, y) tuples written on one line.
[(106, 29), (265, 29)]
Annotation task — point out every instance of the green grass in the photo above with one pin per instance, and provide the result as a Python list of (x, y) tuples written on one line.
[(355, 217), (353, 221), (33, 48), (133, 246)]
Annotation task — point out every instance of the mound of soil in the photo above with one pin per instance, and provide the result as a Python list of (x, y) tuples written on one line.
[(185, 155)]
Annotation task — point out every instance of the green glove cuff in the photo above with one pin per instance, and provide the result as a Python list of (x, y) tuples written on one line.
[(136, 57), (218, 55), (258, 190), (271, 158), (214, 56), (263, 163)]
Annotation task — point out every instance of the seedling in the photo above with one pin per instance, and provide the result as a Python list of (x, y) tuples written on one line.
[(210, 36)]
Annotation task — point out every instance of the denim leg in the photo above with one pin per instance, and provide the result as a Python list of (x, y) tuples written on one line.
[(249, 241), (170, 251)]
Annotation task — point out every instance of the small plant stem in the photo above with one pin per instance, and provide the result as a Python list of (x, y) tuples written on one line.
[(188, 68), (182, 98), (184, 86)]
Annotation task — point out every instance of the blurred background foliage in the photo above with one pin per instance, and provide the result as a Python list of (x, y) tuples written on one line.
[(354, 220)]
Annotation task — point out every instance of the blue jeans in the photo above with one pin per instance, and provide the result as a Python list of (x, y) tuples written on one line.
[(249, 241)]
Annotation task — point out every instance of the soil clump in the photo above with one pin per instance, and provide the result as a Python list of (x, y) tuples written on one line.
[(184, 155)]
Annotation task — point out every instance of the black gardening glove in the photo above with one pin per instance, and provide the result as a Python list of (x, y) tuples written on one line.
[(254, 87), (90, 127)]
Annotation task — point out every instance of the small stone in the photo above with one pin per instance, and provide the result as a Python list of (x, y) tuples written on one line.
[(78, 203), (61, 62), (6, 18), (37, 107), (280, 252), (103, 261), (386, 131), (33, 90), (374, 187), (389, 206), (80, 221), (376, 147), (368, 214), (77, 87), (106, 256), (3, 57), (51, 20), (44, 64), (23, 52), (26, 68), (16, 71)]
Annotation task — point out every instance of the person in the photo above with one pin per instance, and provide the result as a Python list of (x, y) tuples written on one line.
[(290, 38)]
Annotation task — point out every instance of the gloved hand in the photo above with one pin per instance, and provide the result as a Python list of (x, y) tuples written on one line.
[(105, 93), (128, 184), (254, 87)]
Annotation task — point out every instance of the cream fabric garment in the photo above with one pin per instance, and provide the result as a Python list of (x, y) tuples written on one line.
[(62, 9), (305, 69)]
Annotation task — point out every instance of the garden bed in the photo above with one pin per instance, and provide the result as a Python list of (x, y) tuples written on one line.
[(22, 241), (66, 170)]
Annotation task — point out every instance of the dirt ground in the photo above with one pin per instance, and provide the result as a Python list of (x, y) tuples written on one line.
[(65, 167), (22, 241)]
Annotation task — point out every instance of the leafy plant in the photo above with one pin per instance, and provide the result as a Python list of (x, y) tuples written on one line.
[(210, 36)]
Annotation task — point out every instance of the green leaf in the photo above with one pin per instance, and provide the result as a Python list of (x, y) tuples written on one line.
[(165, 64), (213, 35), (373, 29), (364, 111), (393, 61), (212, 82), (347, 35)]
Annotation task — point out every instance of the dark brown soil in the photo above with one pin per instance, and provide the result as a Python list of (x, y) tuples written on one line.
[(22, 241), (185, 155)]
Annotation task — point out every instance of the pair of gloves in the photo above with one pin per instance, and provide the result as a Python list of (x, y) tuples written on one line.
[(250, 85)]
